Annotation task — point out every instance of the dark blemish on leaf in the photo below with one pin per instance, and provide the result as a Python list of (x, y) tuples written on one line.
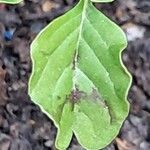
[(78, 57), (111, 114), (74, 61), (96, 96), (44, 53), (76, 95), (58, 97)]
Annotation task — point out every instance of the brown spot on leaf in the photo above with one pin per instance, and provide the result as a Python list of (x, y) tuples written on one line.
[(96, 96), (74, 61), (76, 95)]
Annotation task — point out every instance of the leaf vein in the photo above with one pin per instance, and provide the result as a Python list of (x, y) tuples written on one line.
[(52, 54), (102, 65), (104, 42)]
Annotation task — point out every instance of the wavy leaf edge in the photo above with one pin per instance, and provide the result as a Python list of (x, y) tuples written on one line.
[(120, 57)]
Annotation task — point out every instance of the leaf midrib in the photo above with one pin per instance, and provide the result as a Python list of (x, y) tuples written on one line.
[(83, 17), (79, 39)]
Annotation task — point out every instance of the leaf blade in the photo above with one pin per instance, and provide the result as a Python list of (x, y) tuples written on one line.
[(80, 68)]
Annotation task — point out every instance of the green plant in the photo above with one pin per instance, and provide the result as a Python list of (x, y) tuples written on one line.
[(10, 1), (78, 78)]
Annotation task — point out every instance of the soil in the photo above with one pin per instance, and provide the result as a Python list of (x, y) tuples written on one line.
[(22, 124)]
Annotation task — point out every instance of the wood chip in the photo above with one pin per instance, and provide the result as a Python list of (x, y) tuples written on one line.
[(48, 6), (124, 145), (3, 97)]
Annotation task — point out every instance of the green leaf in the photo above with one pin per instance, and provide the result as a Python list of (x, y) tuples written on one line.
[(78, 78), (10, 1), (102, 1)]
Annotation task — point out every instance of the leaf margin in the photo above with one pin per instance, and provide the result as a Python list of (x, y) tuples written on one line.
[(121, 62)]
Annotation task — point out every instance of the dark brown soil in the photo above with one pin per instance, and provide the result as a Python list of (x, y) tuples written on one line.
[(22, 125)]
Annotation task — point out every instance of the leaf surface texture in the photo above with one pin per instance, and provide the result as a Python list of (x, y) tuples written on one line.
[(78, 78)]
